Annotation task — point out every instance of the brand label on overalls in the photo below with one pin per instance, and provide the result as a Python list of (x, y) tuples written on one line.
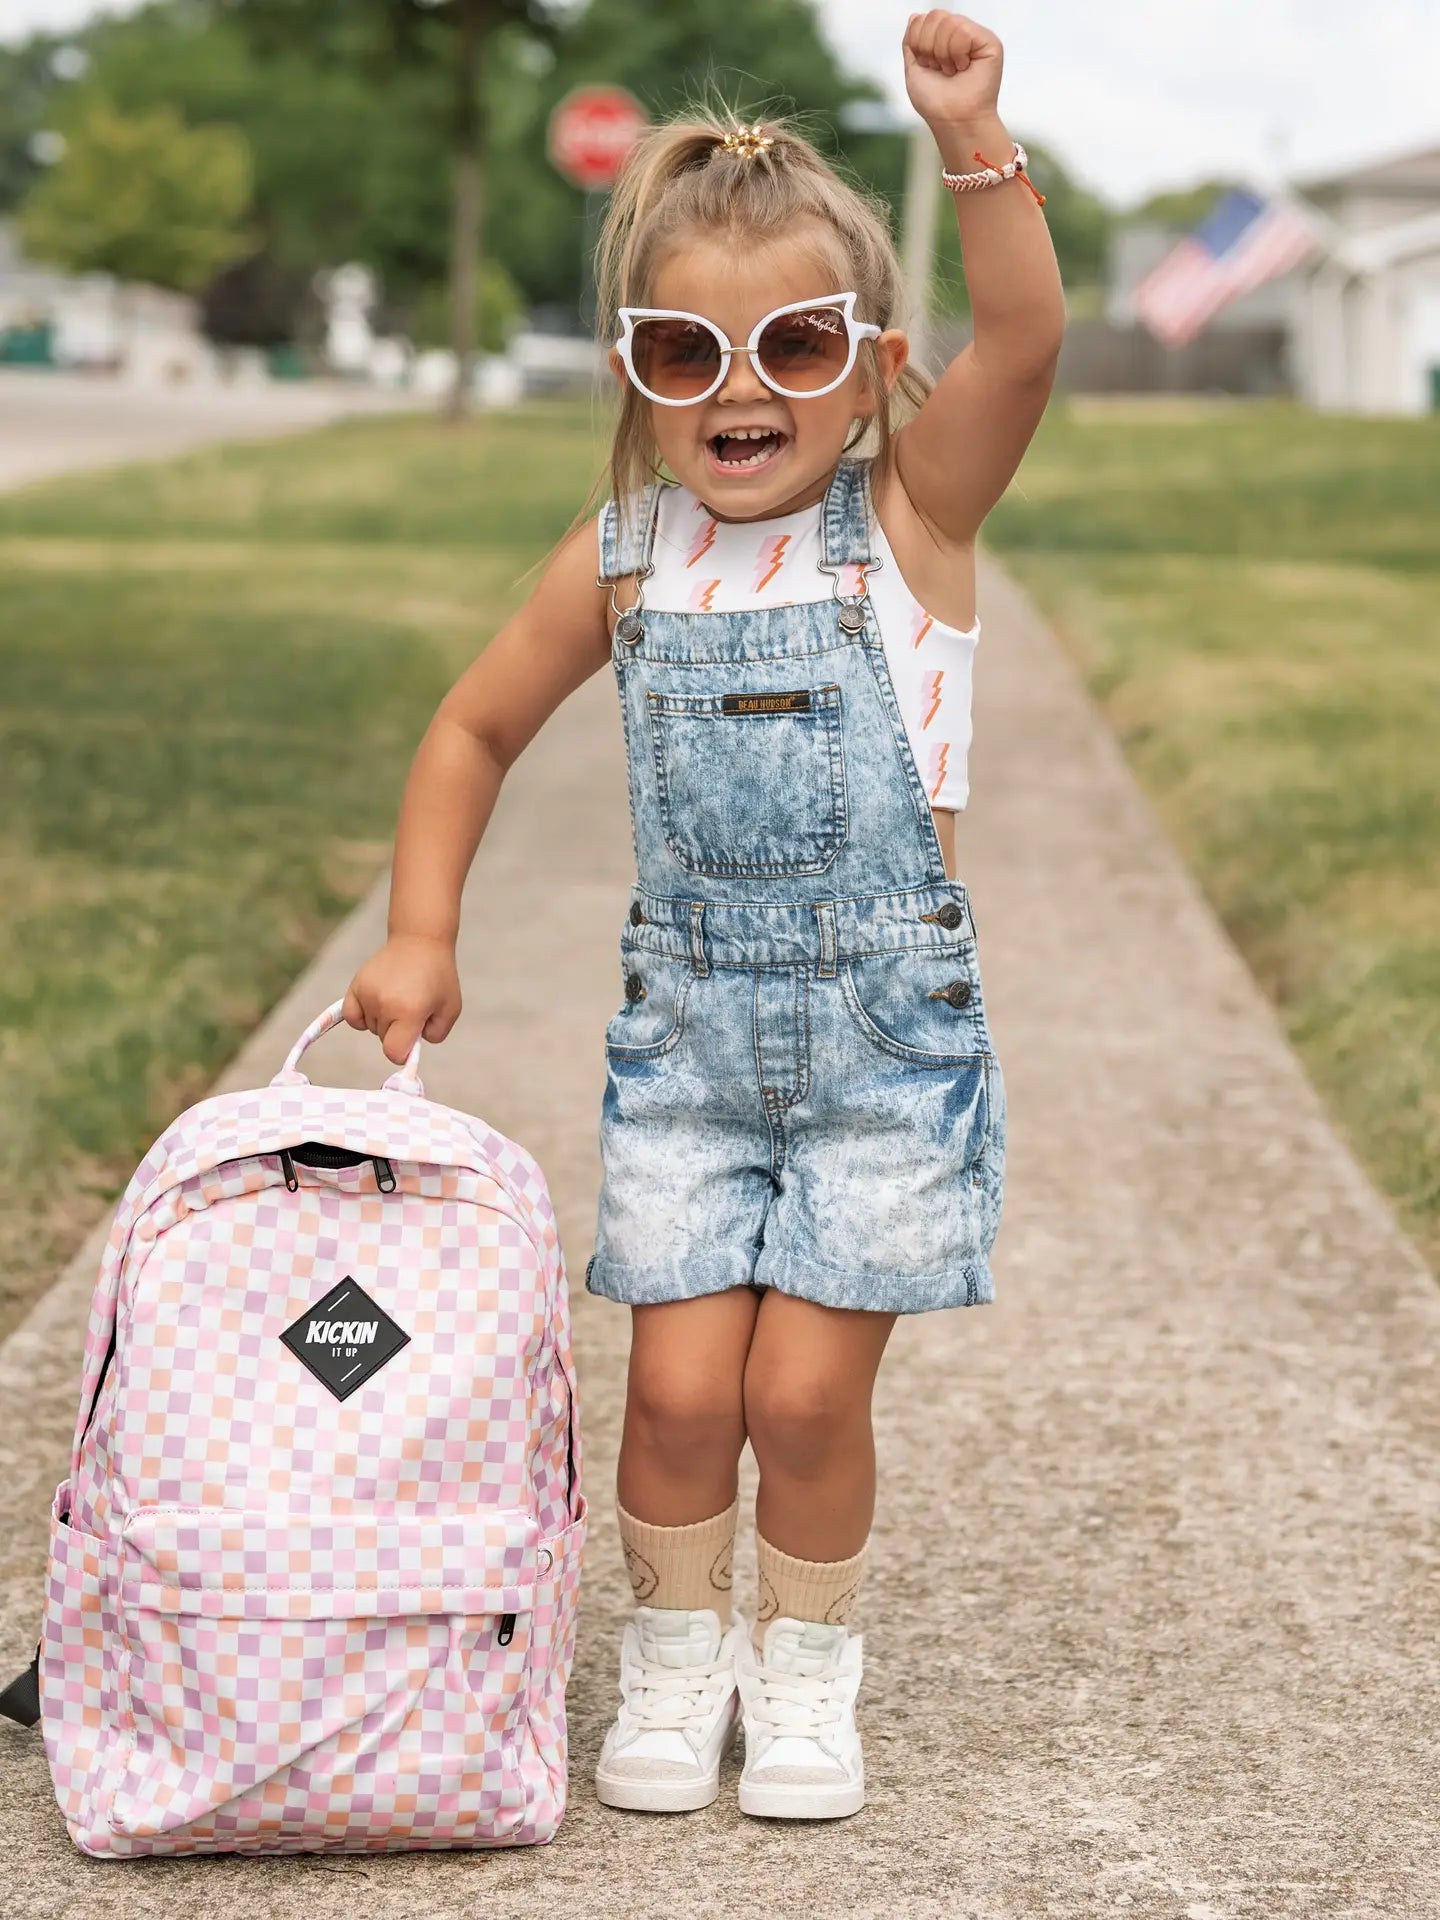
[(797, 702), (344, 1339)]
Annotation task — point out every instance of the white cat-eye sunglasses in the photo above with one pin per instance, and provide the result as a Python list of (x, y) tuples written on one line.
[(800, 350)]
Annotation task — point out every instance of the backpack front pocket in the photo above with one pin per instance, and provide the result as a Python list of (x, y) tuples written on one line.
[(750, 782), (285, 1671)]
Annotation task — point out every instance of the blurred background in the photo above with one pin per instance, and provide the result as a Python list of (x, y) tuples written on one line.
[(226, 192), (224, 221)]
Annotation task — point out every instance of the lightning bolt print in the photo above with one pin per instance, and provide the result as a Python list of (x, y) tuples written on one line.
[(702, 542), (702, 595), (920, 623), (938, 755), (930, 691), (772, 557)]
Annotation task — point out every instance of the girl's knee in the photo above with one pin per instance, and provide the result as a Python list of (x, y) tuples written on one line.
[(798, 1418), (684, 1408)]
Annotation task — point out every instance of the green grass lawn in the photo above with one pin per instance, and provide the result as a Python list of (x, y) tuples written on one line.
[(1253, 594), (215, 672)]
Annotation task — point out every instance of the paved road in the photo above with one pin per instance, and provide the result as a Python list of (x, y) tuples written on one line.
[(58, 422), (1154, 1596)]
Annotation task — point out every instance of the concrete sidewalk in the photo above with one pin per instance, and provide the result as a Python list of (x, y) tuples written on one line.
[(1153, 1600)]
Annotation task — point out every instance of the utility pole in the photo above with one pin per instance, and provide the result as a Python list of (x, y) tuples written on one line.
[(918, 210), (922, 192), (595, 199)]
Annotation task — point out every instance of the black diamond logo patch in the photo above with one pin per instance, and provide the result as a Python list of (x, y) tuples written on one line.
[(345, 1338)]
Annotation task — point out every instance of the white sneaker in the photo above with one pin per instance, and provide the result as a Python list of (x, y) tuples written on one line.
[(679, 1707), (802, 1746)]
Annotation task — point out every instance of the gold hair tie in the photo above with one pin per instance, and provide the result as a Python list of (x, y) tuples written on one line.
[(747, 140)]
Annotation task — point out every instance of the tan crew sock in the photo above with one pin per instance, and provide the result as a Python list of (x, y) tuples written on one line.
[(803, 1589), (687, 1566)]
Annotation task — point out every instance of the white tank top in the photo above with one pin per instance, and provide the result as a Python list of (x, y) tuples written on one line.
[(705, 565)]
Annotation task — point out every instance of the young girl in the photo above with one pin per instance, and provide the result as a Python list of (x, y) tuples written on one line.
[(803, 1126)]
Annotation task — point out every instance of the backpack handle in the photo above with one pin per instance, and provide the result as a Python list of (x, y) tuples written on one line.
[(405, 1079)]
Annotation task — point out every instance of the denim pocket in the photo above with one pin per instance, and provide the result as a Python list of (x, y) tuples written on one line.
[(922, 1006), (750, 782), (924, 1067), (651, 1018)]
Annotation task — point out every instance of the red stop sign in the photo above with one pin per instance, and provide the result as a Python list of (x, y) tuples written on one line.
[(591, 130)]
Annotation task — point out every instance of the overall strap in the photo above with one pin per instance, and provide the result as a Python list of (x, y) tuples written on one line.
[(847, 516), (627, 538)]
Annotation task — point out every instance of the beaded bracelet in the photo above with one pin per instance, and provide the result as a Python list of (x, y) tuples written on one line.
[(988, 176)]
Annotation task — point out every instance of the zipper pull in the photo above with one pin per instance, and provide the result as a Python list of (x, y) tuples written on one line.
[(384, 1175), (292, 1179), (507, 1630)]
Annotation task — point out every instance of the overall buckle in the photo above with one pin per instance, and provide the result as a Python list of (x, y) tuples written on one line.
[(852, 614)]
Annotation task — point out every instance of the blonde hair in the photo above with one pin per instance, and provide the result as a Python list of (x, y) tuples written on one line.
[(677, 182)]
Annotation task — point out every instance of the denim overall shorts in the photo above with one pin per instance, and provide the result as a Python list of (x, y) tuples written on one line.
[(801, 1089)]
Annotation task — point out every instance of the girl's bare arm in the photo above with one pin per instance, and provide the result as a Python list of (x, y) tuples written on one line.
[(497, 706), (958, 455)]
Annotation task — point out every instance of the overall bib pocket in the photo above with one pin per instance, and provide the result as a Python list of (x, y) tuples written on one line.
[(750, 782)]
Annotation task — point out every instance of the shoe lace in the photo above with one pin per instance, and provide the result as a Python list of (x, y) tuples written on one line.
[(806, 1704), (677, 1696)]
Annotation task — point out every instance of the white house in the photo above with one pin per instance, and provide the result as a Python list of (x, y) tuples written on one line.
[(1365, 311), (1359, 320), (145, 333)]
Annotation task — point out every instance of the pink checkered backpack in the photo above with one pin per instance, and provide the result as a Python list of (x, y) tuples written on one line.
[(315, 1569)]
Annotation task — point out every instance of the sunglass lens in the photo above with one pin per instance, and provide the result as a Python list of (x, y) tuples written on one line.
[(805, 350), (674, 358)]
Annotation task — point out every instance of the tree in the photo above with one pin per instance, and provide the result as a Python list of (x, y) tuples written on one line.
[(450, 36), (143, 197), (760, 55), (27, 77), (1182, 206), (498, 308), (348, 107), (344, 168)]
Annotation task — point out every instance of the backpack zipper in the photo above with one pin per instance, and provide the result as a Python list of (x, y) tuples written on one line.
[(315, 1153)]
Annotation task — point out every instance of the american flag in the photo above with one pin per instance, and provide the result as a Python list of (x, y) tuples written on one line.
[(1243, 242)]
